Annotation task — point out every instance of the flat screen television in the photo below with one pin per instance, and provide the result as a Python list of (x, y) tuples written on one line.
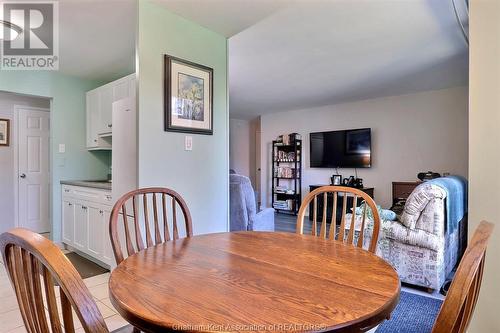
[(341, 149)]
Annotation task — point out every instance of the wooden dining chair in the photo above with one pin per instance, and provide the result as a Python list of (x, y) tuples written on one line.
[(457, 309), (333, 196), (34, 264), (137, 209)]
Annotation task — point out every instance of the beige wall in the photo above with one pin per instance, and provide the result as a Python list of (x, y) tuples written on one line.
[(201, 175), (410, 134), (7, 164), (484, 151), (242, 147), (239, 146)]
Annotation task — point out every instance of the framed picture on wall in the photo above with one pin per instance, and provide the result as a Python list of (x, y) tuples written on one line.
[(336, 180), (188, 94), (4, 132)]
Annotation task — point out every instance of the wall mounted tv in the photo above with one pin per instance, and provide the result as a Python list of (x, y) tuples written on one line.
[(341, 149)]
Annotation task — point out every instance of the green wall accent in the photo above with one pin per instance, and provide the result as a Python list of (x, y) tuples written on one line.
[(68, 126), (200, 175)]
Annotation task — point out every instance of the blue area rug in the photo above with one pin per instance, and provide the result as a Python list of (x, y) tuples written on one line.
[(413, 314)]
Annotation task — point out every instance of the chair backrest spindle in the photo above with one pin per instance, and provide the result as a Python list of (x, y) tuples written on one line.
[(339, 232), (146, 220)]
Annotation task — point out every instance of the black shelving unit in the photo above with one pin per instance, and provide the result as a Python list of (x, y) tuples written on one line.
[(287, 174)]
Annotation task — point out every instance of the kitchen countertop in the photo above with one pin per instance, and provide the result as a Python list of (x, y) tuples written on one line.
[(99, 184)]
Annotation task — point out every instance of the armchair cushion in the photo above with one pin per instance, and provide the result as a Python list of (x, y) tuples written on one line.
[(264, 220)]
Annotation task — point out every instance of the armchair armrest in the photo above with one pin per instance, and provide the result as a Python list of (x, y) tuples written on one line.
[(395, 230), (238, 218), (264, 220)]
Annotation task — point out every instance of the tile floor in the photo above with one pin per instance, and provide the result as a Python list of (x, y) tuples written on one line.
[(10, 317)]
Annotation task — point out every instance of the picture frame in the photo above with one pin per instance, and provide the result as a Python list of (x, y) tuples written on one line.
[(337, 180), (4, 132), (188, 96)]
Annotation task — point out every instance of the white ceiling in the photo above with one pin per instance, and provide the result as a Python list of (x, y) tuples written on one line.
[(227, 17), (97, 38), (325, 52), (287, 54)]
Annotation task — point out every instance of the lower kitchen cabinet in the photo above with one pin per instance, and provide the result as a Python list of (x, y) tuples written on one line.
[(68, 216), (85, 222), (81, 226), (108, 255), (95, 233)]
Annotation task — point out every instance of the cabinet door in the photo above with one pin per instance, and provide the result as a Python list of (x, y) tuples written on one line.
[(131, 86), (108, 256), (81, 226), (68, 221), (121, 89), (92, 118), (105, 108), (95, 231)]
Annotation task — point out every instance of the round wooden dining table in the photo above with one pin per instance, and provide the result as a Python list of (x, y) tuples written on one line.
[(254, 281)]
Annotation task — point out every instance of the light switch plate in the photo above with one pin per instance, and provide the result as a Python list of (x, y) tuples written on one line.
[(62, 148), (188, 143)]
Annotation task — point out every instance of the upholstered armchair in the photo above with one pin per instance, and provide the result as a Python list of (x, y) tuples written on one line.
[(420, 245), (243, 210)]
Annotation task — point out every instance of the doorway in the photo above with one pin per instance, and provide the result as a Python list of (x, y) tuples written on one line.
[(10, 110), (33, 168)]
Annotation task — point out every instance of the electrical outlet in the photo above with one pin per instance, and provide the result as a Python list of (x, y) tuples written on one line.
[(62, 148)]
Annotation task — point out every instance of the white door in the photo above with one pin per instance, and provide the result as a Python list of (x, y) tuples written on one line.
[(258, 136), (33, 169)]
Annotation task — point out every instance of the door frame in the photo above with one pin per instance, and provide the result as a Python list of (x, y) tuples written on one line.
[(15, 144)]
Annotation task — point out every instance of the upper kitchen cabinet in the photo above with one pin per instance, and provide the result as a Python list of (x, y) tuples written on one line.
[(105, 109), (99, 111)]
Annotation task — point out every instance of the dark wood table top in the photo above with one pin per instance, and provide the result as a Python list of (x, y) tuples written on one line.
[(255, 281)]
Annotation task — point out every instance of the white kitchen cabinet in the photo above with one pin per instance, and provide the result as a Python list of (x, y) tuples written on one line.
[(122, 88), (95, 241), (105, 109), (92, 105), (99, 110), (108, 255), (68, 216), (85, 222), (81, 226)]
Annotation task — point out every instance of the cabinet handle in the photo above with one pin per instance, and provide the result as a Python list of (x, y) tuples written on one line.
[(70, 204), (95, 140), (101, 212), (67, 191), (108, 197), (83, 207), (110, 125)]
